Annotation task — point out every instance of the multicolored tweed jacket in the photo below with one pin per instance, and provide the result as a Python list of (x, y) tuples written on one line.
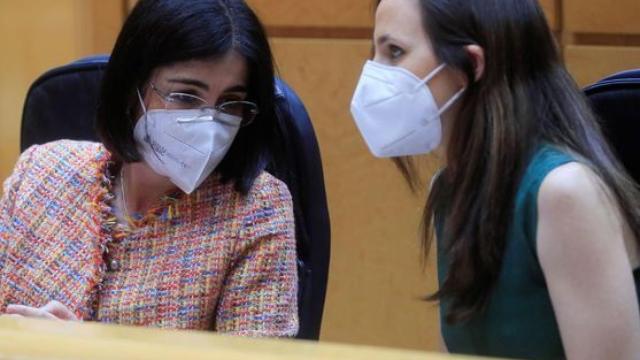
[(210, 260)]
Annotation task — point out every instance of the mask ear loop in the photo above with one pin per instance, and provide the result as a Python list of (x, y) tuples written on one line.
[(451, 101), (147, 138), (430, 77), (144, 108)]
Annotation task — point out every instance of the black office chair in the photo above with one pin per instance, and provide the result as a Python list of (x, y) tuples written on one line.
[(62, 103), (616, 100)]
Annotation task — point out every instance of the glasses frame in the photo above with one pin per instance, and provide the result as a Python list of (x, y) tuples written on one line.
[(169, 97)]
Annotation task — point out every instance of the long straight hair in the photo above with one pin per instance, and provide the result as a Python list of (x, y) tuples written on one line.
[(525, 98)]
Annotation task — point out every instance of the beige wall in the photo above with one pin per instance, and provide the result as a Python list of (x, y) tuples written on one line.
[(600, 37), (376, 278), (37, 35)]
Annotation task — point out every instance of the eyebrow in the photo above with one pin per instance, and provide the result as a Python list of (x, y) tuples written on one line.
[(187, 81), (385, 38), (204, 86), (382, 39)]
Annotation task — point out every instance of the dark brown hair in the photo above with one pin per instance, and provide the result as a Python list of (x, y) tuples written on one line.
[(163, 32), (525, 98)]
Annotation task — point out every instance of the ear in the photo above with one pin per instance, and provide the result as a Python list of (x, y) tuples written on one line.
[(476, 53)]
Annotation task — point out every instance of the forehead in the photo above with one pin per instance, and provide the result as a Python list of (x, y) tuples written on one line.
[(401, 19), (230, 69)]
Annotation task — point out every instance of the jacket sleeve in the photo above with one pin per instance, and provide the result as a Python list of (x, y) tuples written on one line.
[(259, 295), (10, 192)]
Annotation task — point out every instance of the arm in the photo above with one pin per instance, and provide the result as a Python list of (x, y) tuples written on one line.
[(582, 251), (12, 183), (259, 296), (10, 190), (10, 193)]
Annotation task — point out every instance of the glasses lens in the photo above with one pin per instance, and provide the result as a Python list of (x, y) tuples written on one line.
[(243, 109), (181, 101)]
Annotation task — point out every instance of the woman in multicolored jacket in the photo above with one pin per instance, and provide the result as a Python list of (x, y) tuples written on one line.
[(171, 221)]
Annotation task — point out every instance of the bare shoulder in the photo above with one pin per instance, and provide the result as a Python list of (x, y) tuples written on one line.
[(573, 194), (570, 184), (577, 211)]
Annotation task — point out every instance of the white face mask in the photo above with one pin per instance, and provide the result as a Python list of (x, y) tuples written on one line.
[(184, 145), (396, 112)]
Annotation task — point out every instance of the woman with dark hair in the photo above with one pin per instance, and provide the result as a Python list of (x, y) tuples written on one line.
[(537, 223), (171, 221)]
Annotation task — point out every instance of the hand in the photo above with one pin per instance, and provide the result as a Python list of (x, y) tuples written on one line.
[(54, 310)]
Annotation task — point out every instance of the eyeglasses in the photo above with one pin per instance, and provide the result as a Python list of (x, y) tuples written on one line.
[(246, 110)]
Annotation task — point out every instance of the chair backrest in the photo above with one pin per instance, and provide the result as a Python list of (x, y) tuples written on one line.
[(616, 100), (62, 104)]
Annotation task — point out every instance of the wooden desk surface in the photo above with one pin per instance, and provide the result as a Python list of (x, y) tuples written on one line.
[(28, 339)]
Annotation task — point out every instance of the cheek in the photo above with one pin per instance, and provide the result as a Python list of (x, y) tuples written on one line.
[(421, 62), (444, 86), (152, 103)]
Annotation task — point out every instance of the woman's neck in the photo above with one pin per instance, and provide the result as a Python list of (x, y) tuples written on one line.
[(141, 187)]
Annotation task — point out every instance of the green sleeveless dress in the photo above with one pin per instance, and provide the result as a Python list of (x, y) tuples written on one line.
[(519, 321)]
